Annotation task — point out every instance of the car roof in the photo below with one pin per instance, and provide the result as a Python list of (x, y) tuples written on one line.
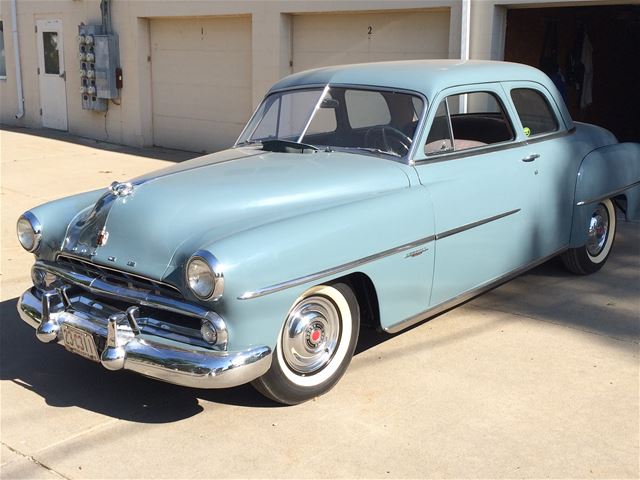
[(424, 76)]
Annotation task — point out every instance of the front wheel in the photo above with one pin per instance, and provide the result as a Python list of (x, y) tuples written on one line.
[(315, 345), (602, 231)]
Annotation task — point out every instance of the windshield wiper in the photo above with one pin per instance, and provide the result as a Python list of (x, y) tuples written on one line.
[(248, 142), (287, 146), (371, 150)]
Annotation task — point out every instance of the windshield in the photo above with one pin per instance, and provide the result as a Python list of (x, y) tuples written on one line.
[(341, 118)]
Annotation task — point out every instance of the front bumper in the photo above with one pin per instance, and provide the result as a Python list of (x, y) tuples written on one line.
[(120, 345)]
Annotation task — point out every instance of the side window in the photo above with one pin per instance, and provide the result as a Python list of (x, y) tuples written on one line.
[(466, 121), (534, 111), (366, 108)]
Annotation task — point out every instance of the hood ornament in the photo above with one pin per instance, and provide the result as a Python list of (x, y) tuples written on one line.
[(121, 189)]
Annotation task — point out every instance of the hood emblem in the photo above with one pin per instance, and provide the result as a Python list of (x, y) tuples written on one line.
[(101, 239), (121, 189)]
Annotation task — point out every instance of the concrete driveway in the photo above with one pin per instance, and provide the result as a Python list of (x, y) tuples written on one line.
[(538, 378)]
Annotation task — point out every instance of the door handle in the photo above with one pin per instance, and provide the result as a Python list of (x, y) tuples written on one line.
[(531, 158), (63, 75)]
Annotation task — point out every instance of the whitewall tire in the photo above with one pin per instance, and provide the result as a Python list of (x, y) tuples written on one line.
[(600, 237), (315, 345)]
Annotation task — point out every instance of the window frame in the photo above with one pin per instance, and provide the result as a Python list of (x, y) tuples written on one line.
[(494, 89), (408, 159)]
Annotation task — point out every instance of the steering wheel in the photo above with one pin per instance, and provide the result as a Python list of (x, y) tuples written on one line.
[(388, 138)]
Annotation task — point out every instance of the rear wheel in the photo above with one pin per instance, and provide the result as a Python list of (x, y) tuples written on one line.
[(315, 345), (602, 231)]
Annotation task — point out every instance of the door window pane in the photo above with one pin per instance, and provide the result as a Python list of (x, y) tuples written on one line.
[(534, 111), (51, 54), (477, 119)]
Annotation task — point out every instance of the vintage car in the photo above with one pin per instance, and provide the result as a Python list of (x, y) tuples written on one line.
[(376, 194)]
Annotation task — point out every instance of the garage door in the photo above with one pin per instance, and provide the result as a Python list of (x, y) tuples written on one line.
[(201, 81), (333, 39)]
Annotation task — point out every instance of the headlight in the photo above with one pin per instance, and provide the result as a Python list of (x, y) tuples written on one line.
[(204, 276), (29, 232)]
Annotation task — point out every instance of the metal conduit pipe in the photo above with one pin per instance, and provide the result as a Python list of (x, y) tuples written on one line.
[(16, 55)]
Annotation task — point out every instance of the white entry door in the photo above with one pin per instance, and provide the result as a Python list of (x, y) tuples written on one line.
[(52, 77)]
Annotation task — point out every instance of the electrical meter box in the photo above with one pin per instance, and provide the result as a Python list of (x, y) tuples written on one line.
[(99, 59), (106, 55)]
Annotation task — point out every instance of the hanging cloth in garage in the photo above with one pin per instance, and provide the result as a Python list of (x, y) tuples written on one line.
[(586, 59), (548, 62)]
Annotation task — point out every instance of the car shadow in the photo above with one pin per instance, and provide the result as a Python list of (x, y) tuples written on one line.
[(65, 380)]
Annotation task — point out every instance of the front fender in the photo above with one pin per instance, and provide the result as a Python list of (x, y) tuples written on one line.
[(319, 242), (607, 172), (55, 217)]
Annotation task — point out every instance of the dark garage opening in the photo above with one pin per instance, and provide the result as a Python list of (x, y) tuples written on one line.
[(553, 39)]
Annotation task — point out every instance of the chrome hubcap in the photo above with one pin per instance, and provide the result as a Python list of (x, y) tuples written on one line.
[(598, 231), (310, 336)]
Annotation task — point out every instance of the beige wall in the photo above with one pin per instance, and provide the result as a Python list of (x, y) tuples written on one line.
[(132, 122)]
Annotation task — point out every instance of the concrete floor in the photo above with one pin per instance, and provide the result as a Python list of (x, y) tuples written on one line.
[(538, 378)]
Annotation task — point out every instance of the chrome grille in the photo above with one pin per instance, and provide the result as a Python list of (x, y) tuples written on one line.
[(117, 277)]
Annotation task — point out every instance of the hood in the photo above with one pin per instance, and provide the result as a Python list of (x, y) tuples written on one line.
[(193, 204)]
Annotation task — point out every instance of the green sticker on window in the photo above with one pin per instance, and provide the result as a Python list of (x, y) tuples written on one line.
[(527, 131)]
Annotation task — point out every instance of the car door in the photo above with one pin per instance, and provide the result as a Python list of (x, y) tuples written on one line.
[(540, 125), (480, 188)]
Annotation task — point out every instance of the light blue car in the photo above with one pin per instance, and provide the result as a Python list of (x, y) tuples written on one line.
[(376, 194)]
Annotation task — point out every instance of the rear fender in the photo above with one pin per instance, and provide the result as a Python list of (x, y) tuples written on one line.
[(607, 172)]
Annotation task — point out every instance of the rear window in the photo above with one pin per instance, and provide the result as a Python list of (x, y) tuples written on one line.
[(366, 108), (534, 111)]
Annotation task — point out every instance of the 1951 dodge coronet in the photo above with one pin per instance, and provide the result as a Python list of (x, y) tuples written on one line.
[(377, 194)]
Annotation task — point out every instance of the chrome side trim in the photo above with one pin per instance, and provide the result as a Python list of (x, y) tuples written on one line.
[(550, 135), (468, 226), (495, 147), (468, 295), (470, 152), (332, 271), (608, 194), (356, 263)]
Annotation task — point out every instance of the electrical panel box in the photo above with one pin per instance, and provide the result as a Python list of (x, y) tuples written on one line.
[(106, 53), (99, 59)]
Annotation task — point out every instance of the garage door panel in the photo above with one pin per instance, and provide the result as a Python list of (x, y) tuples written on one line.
[(217, 68), (193, 134), (206, 34), (330, 39), (191, 103), (201, 81)]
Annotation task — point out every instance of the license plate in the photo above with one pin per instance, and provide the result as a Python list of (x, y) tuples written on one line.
[(79, 342)]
